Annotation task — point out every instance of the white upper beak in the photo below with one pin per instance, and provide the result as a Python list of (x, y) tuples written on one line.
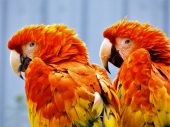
[(105, 52), (15, 61)]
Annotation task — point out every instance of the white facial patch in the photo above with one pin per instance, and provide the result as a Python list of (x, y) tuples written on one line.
[(124, 46), (28, 49)]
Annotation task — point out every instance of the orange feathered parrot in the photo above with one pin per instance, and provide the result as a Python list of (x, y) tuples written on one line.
[(62, 88), (142, 53)]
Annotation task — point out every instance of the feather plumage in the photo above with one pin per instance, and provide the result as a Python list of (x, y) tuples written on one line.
[(60, 82), (143, 81)]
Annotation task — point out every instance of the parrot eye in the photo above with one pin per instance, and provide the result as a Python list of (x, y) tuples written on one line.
[(32, 44), (127, 41)]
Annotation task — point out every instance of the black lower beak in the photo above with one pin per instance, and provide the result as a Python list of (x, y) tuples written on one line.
[(24, 64), (115, 58)]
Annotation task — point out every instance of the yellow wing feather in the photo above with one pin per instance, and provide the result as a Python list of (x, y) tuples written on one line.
[(66, 95), (143, 92)]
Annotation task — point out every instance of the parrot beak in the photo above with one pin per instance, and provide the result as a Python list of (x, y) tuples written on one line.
[(108, 53), (19, 63), (105, 53)]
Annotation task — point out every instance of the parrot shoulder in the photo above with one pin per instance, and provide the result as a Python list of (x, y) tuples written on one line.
[(56, 95), (147, 88), (132, 71), (41, 105)]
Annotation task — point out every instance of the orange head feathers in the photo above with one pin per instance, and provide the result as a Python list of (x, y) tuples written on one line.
[(144, 36), (54, 43)]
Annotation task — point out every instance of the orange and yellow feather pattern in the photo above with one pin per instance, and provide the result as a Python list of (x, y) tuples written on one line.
[(143, 91), (63, 95), (60, 82), (143, 82)]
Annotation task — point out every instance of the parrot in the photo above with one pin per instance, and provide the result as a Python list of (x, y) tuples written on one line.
[(62, 88), (142, 54)]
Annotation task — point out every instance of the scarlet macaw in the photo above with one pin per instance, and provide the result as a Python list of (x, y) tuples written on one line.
[(142, 53), (62, 88)]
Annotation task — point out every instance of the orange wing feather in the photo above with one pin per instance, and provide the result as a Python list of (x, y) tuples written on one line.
[(62, 94), (143, 82), (60, 82), (143, 91)]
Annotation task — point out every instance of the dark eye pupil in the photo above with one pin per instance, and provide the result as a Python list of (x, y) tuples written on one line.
[(127, 41), (32, 44)]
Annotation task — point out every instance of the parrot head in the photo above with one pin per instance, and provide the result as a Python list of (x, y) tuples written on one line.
[(124, 37), (51, 43)]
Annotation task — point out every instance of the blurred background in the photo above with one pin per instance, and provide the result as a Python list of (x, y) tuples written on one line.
[(88, 17)]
